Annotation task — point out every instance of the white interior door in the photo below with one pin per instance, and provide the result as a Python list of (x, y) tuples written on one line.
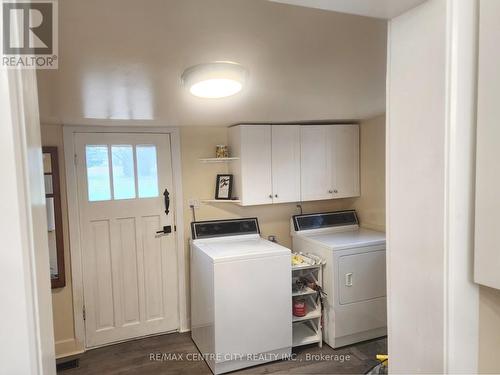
[(129, 270), (286, 163)]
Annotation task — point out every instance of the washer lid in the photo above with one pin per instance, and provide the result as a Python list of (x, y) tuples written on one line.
[(239, 248), (349, 239)]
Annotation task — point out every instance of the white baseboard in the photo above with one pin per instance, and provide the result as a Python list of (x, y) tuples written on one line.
[(68, 348)]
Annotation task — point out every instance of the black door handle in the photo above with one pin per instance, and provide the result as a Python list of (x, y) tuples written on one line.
[(167, 201), (166, 230)]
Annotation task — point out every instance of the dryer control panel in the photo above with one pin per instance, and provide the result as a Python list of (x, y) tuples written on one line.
[(324, 220)]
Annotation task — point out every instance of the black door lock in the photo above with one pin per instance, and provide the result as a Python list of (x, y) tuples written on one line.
[(166, 230), (166, 197)]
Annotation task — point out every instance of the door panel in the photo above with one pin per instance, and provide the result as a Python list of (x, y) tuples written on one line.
[(286, 163), (345, 160), (362, 277), (129, 272), (153, 263), (315, 163), (256, 164), (104, 283), (128, 259)]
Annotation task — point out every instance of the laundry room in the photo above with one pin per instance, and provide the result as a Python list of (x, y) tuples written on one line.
[(305, 135), (256, 187)]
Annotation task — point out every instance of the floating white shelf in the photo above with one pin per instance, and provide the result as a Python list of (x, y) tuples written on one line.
[(304, 335), (217, 160), (220, 201)]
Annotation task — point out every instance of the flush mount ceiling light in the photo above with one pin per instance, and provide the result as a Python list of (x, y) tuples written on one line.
[(214, 80)]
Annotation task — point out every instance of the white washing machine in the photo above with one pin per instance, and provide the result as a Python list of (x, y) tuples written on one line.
[(240, 295), (354, 276)]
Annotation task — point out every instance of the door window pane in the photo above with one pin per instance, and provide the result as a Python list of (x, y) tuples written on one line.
[(98, 173), (147, 174), (123, 172)]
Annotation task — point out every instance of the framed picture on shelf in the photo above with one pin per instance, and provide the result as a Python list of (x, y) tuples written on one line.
[(224, 186)]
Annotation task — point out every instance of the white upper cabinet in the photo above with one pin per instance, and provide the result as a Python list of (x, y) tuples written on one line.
[(345, 160), (268, 170), (293, 163), (329, 161), (316, 163), (286, 163), (253, 171)]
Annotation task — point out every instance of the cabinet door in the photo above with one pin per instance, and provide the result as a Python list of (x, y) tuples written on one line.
[(315, 162), (286, 163), (256, 177), (344, 143), (361, 277)]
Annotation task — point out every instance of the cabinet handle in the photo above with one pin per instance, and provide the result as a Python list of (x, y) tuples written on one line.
[(335, 191), (275, 195), (271, 196), (330, 191)]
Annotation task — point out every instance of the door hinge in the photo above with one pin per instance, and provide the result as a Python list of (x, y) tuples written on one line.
[(84, 315)]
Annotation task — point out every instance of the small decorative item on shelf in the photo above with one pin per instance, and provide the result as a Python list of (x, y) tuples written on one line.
[(224, 186), (299, 307), (299, 284), (296, 259), (221, 151)]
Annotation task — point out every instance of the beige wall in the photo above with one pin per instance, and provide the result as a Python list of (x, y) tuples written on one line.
[(62, 298), (489, 330), (371, 205)]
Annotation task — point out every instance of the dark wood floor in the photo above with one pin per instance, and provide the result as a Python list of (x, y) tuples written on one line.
[(133, 357)]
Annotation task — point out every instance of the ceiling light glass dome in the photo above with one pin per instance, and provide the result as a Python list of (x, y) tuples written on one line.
[(219, 79)]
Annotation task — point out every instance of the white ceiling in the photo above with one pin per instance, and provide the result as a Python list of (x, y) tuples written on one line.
[(385, 9), (304, 64)]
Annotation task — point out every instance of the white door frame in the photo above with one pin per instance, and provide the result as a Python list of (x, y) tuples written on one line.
[(452, 301), (27, 339), (74, 221)]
